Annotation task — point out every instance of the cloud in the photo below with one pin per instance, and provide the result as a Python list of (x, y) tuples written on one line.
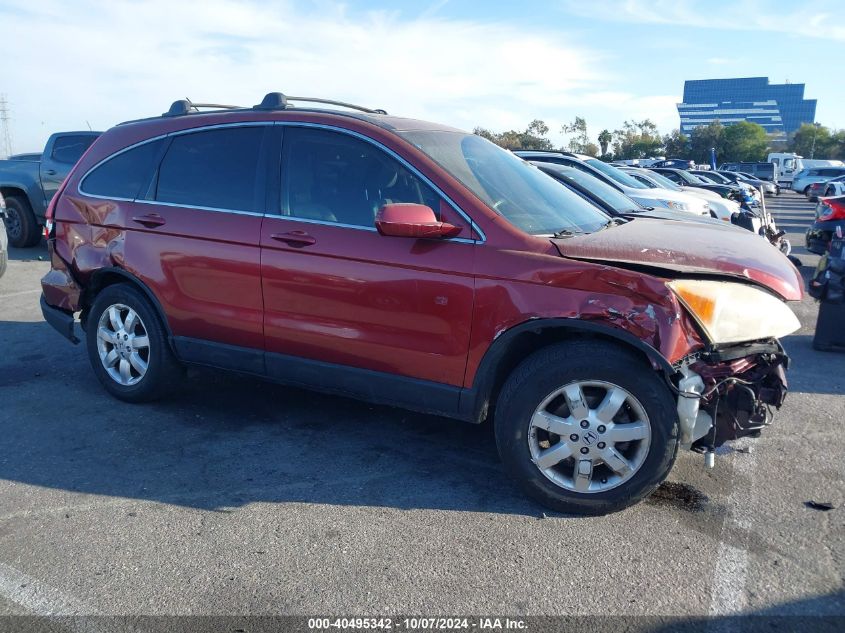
[(104, 62), (811, 18)]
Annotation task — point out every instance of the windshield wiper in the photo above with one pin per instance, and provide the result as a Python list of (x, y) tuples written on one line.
[(565, 233), (613, 222)]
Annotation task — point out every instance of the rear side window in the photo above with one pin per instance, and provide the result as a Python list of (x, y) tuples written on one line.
[(216, 169), (68, 149), (123, 175)]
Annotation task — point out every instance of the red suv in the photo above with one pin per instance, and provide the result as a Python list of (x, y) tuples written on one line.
[(413, 264)]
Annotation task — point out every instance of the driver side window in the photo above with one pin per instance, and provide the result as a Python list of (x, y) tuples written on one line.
[(336, 178)]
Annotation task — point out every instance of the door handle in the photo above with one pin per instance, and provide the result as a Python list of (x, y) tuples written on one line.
[(150, 220), (50, 172), (294, 238)]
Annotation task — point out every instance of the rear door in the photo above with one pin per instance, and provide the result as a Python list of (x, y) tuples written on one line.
[(193, 236), (339, 293)]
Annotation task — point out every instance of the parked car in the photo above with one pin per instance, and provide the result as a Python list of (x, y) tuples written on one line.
[(413, 264), (768, 187), (29, 181), (4, 240), (720, 208), (806, 177), (675, 163), (646, 196), (824, 188), (741, 183), (609, 196), (835, 187), (684, 178), (830, 213), (763, 171)]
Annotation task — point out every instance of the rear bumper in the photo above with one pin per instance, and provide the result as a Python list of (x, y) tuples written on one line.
[(63, 322), (819, 235)]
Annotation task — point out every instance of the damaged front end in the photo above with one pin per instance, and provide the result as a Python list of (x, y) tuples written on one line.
[(729, 393)]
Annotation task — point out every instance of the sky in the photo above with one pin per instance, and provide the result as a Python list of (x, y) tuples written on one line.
[(495, 64)]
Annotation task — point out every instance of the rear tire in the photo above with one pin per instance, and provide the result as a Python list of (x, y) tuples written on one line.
[(587, 439), (21, 226), (128, 346)]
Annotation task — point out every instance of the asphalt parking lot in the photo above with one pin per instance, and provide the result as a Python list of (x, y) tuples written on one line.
[(245, 497)]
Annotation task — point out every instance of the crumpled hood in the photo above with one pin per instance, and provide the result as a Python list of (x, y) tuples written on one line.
[(683, 247)]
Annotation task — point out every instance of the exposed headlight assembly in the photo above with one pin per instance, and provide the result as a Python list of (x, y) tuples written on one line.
[(731, 312)]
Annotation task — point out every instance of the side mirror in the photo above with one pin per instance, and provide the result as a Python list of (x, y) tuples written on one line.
[(407, 219)]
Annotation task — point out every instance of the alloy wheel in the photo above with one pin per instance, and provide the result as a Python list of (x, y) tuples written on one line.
[(589, 436), (123, 344)]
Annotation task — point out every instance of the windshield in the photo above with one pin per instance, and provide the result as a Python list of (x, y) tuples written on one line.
[(712, 177), (663, 181), (521, 193), (617, 174), (613, 198), (688, 177)]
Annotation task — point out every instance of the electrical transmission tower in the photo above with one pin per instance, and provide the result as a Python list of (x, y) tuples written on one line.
[(5, 128)]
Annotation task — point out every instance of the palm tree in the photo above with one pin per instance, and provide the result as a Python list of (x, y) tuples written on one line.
[(604, 141)]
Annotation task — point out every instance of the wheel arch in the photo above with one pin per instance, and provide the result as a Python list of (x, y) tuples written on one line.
[(16, 191), (112, 275), (511, 347)]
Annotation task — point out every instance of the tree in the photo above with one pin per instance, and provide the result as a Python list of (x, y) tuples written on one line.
[(580, 140), (604, 140), (813, 141), (676, 144), (703, 138), (837, 145), (637, 139), (533, 137), (590, 149), (744, 141)]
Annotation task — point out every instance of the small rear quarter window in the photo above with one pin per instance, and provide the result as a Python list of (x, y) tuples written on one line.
[(123, 175)]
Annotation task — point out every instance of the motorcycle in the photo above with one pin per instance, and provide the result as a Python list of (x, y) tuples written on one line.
[(755, 217)]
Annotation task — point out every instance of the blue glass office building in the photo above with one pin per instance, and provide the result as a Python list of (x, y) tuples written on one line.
[(779, 108)]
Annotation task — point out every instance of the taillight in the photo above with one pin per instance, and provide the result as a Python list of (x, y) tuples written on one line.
[(832, 209), (51, 209), (50, 214)]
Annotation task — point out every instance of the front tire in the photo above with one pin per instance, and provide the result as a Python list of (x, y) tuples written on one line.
[(128, 346), (21, 226), (586, 427)]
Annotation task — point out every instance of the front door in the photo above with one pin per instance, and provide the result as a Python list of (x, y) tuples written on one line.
[(338, 293)]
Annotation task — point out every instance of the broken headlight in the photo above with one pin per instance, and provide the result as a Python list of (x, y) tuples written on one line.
[(733, 312)]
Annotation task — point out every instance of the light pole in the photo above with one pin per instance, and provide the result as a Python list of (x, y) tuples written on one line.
[(813, 147)]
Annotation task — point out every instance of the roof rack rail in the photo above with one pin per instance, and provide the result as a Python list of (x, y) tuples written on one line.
[(279, 101), (186, 106)]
